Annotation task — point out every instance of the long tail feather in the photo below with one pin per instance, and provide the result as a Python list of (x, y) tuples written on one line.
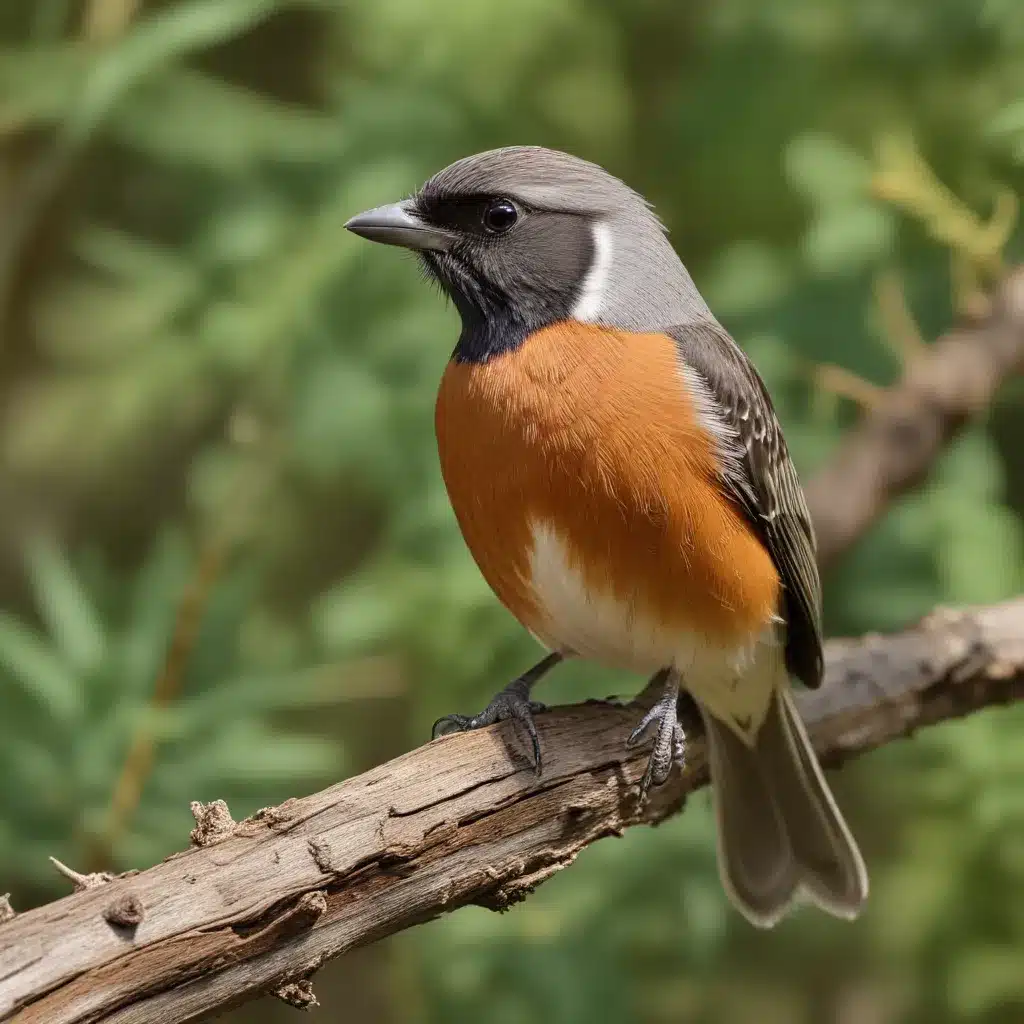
[(780, 831)]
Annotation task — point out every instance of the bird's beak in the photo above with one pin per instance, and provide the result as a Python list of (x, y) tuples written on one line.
[(398, 224)]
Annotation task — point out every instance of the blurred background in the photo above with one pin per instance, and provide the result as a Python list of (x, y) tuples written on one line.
[(227, 564)]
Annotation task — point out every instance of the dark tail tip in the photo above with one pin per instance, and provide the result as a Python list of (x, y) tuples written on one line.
[(780, 832)]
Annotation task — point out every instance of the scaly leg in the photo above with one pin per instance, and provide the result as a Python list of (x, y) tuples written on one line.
[(513, 702), (669, 739)]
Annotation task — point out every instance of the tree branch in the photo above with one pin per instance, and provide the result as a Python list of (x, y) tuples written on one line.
[(904, 432), (460, 820)]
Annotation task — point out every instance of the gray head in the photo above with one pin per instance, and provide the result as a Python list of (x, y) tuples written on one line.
[(522, 237)]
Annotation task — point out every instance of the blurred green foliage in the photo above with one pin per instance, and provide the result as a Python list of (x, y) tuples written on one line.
[(198, 366)]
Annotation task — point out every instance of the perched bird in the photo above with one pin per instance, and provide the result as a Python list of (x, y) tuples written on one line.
[(618, 473)]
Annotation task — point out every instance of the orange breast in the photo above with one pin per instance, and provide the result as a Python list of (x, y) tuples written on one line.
[(590, 432)]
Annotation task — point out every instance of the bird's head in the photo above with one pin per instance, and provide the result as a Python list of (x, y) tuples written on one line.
[(523, 237)]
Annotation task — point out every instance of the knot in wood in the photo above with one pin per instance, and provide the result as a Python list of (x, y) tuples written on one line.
[(127, 911)]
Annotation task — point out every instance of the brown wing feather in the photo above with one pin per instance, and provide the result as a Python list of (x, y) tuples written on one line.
[(763, 481)]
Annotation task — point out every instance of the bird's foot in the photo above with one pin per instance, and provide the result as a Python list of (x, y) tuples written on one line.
[(669, 737), (510, 704)]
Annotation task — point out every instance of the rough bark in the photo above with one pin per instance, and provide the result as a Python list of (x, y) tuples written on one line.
[(900, 437), (262, 903)]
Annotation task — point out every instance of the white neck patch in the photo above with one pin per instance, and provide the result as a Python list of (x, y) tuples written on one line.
[(588, 306)]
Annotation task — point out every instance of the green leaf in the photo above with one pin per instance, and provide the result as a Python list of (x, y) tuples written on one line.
[(98, 326), (134, 258), (747, 276), (986, 978), (66, 608), (153, 44), (1009, 120), (845, 239), (137, 402), (30, 767), (245, 233), (826, 171), (238, 127), (247, 754), (362, 611), (37, 669), (253, 696), (335, 406), (156, 593), (41, 84)]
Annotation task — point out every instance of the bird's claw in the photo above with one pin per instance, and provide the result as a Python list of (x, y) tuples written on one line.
[(669, 741), (508, 705)]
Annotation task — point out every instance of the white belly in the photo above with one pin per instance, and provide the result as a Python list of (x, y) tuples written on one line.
[(735, 684)]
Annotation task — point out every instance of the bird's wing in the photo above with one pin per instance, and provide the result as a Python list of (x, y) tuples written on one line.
[(762, 479)]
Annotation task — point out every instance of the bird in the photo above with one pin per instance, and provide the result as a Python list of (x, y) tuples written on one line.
[(619, 474)]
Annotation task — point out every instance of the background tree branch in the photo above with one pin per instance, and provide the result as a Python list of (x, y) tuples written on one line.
[(900, 437), (262, 904)]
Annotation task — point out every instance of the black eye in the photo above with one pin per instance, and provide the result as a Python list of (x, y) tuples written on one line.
[(499, 216)]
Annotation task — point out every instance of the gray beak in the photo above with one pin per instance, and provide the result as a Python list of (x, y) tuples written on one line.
[(396, 224)]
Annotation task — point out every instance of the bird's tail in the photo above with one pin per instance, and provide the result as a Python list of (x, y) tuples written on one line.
[(779, 829)]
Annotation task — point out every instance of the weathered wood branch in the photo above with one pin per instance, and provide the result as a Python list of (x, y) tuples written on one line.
[(261, 904), (901, 436)]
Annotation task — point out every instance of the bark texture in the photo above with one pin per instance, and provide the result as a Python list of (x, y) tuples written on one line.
[(258, 905)]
